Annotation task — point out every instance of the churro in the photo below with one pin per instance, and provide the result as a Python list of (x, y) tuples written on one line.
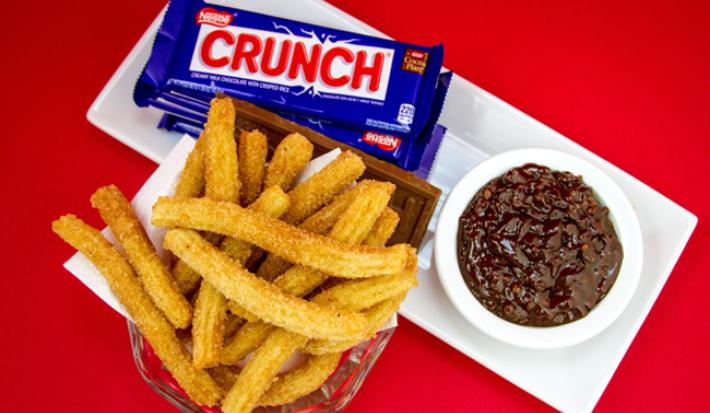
[(264, 299), (291, 155), (357, 295), (273, 202), (320, 223), (124, 283), (377, 317), (322, 186), (260, 370), (221, 161), (352, 227), (302, 380), (293, 244), (383, 228), (252, 150), (192, 176), (118, 214), (247, 339), (208, 326), (281, 344)]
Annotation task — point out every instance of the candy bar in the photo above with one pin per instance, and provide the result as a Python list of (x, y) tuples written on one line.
[(383, 89)]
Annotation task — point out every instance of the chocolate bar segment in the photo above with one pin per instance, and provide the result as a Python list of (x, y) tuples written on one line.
[(414, 200)]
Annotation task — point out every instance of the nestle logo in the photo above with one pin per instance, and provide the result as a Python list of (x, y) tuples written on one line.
[(385, 142), (213, 17)]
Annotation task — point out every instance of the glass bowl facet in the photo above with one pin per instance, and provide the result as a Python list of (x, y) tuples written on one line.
[(333, 396)]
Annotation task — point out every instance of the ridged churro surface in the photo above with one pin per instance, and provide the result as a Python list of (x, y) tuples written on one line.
[(124, 283), (265, 300), (302, 380), (252, 150), (291, 155), (322, 186), (221, 159), (116, 211), (192, 176), (260, 371), (293, 244), (208, 327), (377, 317)]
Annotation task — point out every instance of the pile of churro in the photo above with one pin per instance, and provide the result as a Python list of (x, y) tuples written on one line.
[(260, 268)]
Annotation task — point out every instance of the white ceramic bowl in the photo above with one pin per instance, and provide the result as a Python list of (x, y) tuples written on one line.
[(621, 213)]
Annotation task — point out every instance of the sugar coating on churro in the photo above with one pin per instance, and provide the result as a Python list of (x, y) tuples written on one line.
[(252, 149), (247, 339), (116, 211), (293, 244), (208, 327), (260, 370), (265, 300), (291, 155), (192, 176), (221, 159), (302, 380), (377, 317), (124, 283), (322, 186)]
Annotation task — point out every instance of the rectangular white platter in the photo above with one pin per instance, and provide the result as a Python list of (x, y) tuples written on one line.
[(479, 125)]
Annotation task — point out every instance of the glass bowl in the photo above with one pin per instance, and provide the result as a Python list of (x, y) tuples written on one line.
[(333, 396)]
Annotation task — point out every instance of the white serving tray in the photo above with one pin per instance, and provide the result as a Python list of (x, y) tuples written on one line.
[(479, 125)]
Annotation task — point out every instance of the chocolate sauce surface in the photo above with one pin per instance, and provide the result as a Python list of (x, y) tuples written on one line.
[(536, 248)]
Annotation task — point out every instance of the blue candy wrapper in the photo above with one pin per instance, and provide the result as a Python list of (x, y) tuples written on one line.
[(375, 94)]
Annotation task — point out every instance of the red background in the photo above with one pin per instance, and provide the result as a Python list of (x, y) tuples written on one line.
[(628, 80)]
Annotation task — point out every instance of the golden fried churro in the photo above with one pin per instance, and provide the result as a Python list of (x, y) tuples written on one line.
[(223, 183), (291, 155), (192, 176), (357, 295), (124, 283), (302, 380), (208, 327), (357, 220), (377, 317), (221, 161), (273, 202), (323, 221), (322, 186), (281, 344), (187, 280), (363, 210), (252, 149), (245, 340), (264, 299), (352, 227), (383, 228), (270, 234), (320, 223), (260, 371), (116, 211)]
